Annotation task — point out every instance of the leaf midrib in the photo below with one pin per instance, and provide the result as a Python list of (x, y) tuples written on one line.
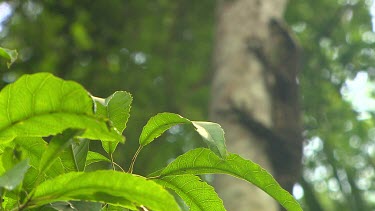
[(103, 188), (203, 170)]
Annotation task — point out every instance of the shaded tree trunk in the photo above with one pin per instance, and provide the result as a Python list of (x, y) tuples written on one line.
[(255, 96)]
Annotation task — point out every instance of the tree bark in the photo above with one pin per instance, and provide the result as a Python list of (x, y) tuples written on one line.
[(255, 96)]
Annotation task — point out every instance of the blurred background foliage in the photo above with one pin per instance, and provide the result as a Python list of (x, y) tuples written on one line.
[(161, 51)]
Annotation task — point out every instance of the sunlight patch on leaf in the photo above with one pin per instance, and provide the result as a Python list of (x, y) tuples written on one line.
[(41, 104)]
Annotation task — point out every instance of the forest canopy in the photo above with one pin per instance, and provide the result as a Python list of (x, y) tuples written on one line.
[(161, 52)]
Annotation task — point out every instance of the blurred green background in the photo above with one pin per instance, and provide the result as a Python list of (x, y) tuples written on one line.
[(161, 51)]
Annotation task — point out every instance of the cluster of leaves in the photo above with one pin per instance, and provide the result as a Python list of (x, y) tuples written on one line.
[(117, 45), (45, 130)]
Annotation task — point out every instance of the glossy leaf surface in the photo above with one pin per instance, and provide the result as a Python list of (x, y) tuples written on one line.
[(197, 194), (41, 105), (34, 148), (94, 157), (204, 161), (117, 109), (213, 136), (113, 187), (158, 124), (56, 146)]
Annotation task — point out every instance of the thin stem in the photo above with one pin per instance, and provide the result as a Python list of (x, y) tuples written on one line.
[(154, 177), (134, 158), (112, 161), (114, 164), (118, 166), (27, 201)]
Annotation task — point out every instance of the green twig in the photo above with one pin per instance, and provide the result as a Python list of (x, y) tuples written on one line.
[(112, 162), (118, 166), (134, 158), (27, 201)]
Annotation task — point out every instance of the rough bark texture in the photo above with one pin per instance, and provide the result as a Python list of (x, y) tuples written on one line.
[(255, 96)]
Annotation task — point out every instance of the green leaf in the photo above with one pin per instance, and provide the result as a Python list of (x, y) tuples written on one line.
[(204, 161), (197, 194), (41, 105), (158, 124), (11, 156), (34, 147), (81, 36), (14, 176), (75, 206), (79, 151), (117, 109), (213, 135), (113, 187), (109, 147), (115, 208), (94, 157), (10, 55), (56, 146), (67, 161), (9, 202), (74, 157), (84, 205), (30, 179), (60, 206)]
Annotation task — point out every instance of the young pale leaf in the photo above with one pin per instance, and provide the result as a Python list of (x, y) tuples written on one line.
[(56, 146), (108, 186), (117, 109), (213, 135), (41, 105), (10, 55), (94, 157), (204, 161), (197, 194), (14, 176), (158, 124)]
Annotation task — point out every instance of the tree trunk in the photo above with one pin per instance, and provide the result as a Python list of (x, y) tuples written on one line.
[(255, 96)]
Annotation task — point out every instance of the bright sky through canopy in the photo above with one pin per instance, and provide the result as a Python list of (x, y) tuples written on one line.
[(5, 12), (359, 92)]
